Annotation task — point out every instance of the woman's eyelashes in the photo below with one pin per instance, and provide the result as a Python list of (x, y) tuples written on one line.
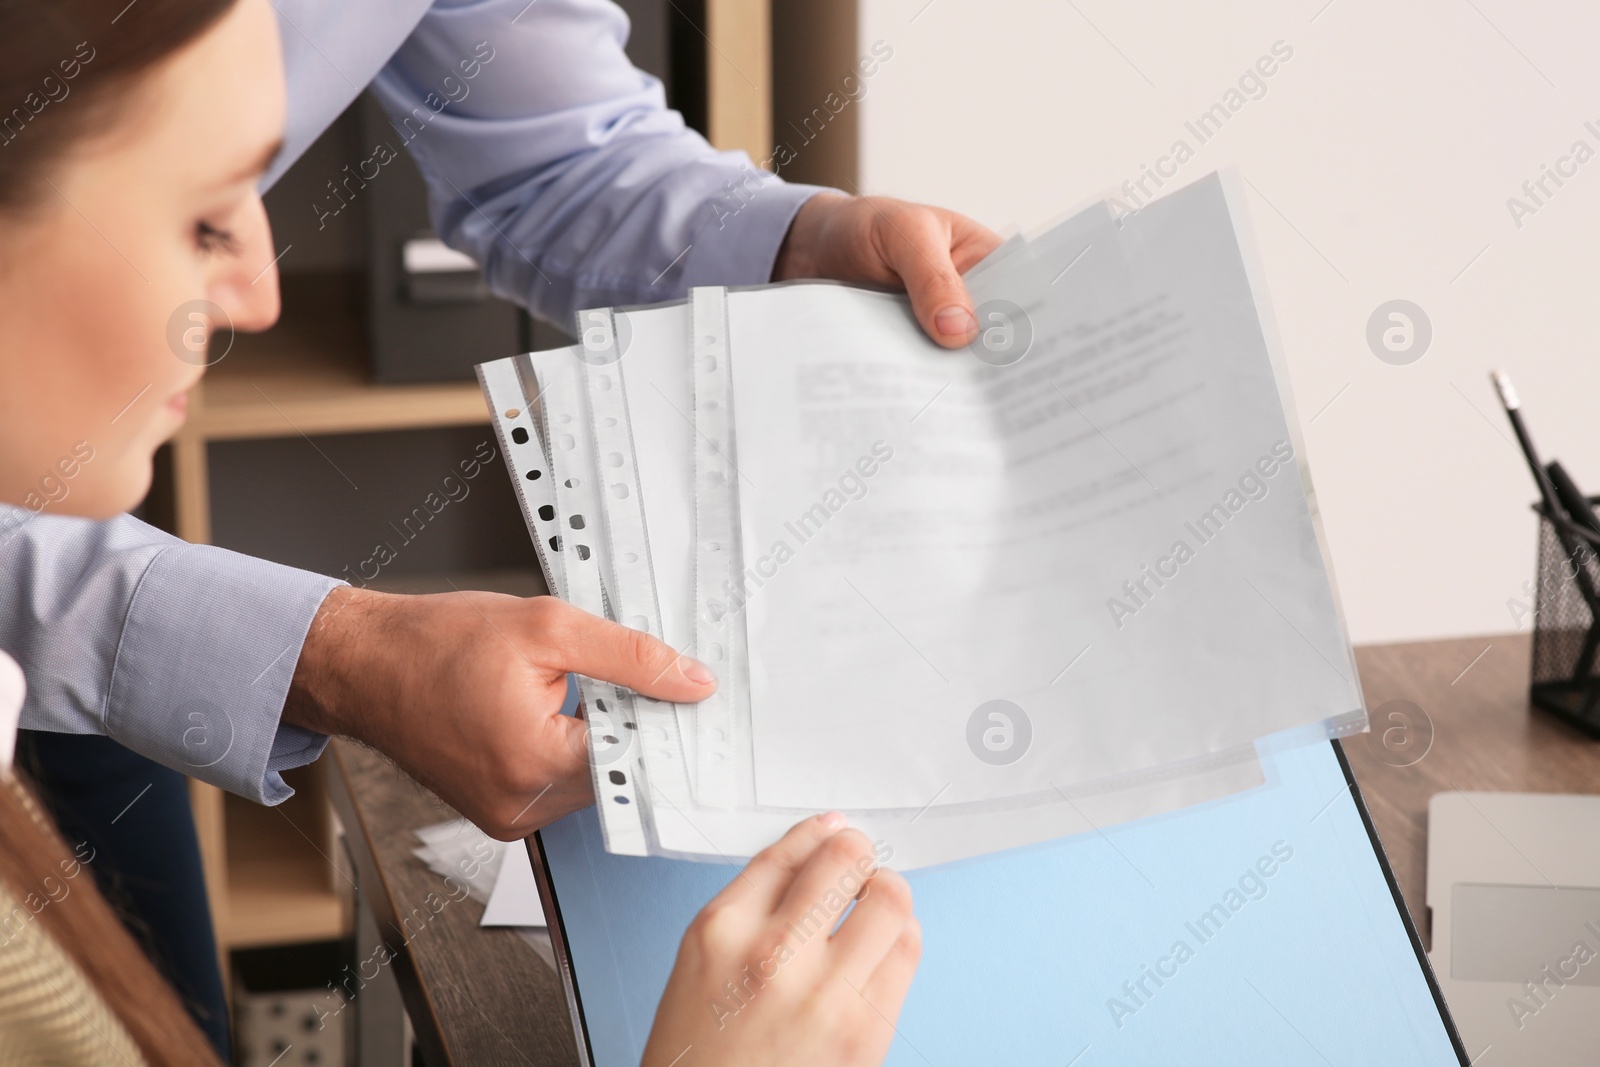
[(211, 240)]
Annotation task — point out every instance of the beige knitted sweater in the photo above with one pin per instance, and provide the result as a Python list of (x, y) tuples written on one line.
[(49, 1014)]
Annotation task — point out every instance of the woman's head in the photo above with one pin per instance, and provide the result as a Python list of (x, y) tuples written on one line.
[(132, 139)]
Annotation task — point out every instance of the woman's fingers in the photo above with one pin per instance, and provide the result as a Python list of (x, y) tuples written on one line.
[(764, 883), (826, 884), (781, 991), (886, 990), (873, 927)]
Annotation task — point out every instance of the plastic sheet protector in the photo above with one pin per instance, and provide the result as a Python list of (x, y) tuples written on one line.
[(1067, 578)]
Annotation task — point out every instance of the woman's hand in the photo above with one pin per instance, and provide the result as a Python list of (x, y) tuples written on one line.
[(763, 980)]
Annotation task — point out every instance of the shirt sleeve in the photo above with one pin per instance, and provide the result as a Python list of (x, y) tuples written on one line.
[(183, 653), (555, 163)]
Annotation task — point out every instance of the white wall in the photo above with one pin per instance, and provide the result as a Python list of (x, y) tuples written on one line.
[(1381, 155)]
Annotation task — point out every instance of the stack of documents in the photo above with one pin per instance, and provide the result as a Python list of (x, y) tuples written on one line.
[(1069, 577)]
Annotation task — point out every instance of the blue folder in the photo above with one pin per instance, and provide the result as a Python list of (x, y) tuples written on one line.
[(1263, 928)]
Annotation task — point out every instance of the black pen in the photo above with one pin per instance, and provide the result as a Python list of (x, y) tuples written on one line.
[(1572, 497), (1509, 401)]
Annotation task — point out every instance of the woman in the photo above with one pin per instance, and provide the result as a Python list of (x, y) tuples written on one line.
[(128, 172)]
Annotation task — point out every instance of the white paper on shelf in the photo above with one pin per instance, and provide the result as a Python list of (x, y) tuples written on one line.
[(514, 900), (459, 850)]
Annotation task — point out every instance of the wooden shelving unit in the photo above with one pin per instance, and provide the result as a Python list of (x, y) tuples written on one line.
[(275, 875), (287, 881), (739, 76), (305, 376)]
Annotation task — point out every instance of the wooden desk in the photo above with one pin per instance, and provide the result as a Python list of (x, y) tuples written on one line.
[(475, 996), (482, 996), (1473, 693)]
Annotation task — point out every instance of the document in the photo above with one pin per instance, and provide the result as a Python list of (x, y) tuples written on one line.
[(1110, 534), (1069, 577)]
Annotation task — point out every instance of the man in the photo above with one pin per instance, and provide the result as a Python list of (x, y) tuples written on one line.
[(553, 162)]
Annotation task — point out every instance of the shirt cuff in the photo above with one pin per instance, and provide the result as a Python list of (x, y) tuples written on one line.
[(738, 242), (203, 667)]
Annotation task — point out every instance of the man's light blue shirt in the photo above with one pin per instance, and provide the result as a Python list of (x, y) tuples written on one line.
[(550, 160)]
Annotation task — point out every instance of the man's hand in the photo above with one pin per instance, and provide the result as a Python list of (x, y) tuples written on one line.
[(464, 692), (880, 241)]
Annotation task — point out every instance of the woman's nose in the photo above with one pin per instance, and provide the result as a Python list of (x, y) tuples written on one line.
[(247, 283)]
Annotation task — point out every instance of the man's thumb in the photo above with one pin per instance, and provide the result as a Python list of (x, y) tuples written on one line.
[(633, 659), (938, 297)]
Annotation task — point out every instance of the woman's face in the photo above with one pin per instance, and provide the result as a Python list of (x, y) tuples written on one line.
[(104, 282)]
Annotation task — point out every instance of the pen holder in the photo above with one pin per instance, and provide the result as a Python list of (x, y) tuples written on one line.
[(1566, 622)]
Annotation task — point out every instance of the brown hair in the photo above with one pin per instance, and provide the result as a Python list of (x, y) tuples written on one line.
[(63, 64), (36, 863), (65, 68)]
